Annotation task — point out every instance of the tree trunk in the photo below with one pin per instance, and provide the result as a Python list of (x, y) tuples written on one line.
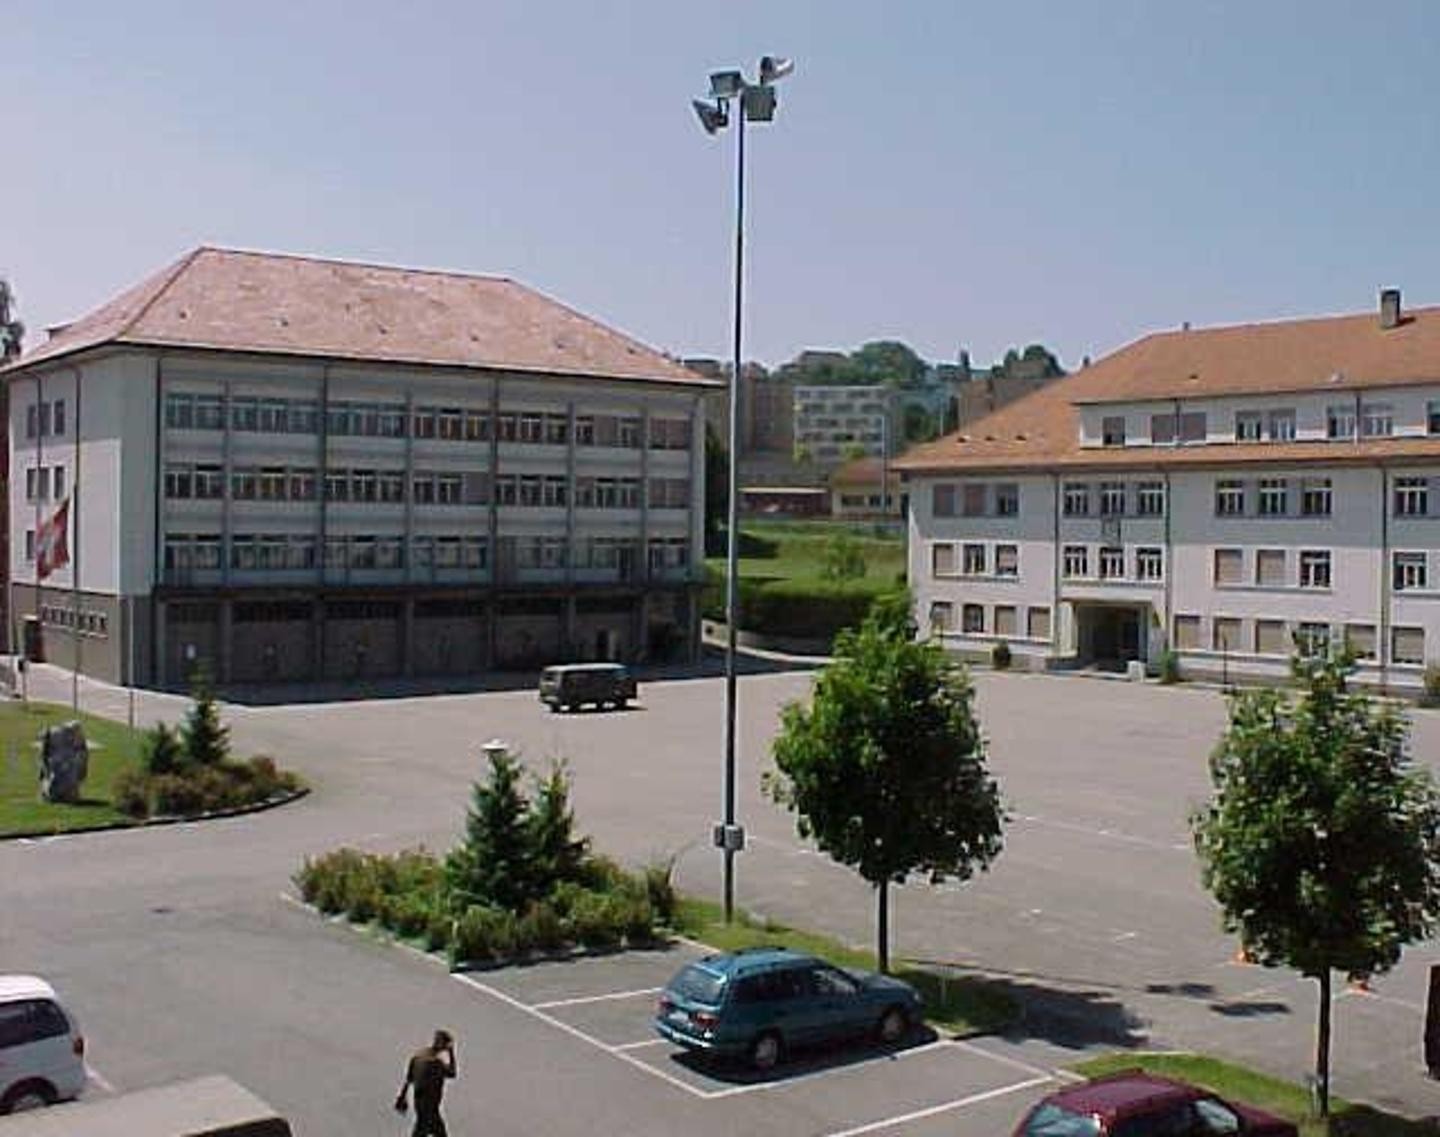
[(882, 926), (1322, 1046)]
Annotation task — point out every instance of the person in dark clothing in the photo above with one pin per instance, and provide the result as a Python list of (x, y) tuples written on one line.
[(426, 1072)]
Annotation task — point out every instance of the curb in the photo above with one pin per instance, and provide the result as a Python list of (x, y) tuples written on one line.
[(269, 803)]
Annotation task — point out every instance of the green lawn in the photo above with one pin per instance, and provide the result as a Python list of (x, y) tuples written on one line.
[(113, 748), (963, 1005), (799, 551), (1271, 1094)]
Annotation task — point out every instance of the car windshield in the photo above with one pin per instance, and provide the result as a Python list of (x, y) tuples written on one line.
[(698, 984), (1052, 1121)]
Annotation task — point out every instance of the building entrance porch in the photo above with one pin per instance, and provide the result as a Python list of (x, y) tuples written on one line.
[(1108, 636)]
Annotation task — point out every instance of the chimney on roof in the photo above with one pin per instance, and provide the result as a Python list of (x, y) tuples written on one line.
[(1389, 308)]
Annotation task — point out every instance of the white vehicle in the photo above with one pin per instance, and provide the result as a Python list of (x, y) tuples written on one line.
[(42, 1053)]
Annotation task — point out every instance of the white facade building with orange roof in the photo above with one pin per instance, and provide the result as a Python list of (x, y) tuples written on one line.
[(291, 469), (1225, 493)]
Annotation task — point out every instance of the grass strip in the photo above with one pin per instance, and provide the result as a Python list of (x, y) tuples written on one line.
[(962, 1005), (1285, 1099)]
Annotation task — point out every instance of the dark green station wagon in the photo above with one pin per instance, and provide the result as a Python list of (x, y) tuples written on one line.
[(760, 1003)]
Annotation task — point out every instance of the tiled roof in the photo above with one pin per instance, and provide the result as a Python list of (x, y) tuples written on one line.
[(273, 303), (859, 472), (1342, 353)]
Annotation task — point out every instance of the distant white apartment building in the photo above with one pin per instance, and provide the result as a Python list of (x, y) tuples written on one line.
[(290, 469), (837, 424), (1226, 492)]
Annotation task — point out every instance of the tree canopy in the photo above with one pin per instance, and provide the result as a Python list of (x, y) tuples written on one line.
[(885, 769), (1322, 840), (12, 331)]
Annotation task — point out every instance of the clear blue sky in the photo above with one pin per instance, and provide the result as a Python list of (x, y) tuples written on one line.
[(947, 173)]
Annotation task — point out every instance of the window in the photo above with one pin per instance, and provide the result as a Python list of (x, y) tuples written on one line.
[(209, 482), (532, 427), (179, 482), (1216, 1119), (1432, 417), (44, 419), (449, 489), (530, 489), (1225, 633), (1007, 560), (1076, 561), (272, 483), (973, 500), (1007, 499), (273, 416), (32, 420), (1077, 499), (553, 490), (1360, 638), (1112, 499), (1193, 426), (1312, 638), (59, 418), (942, 501), (245, 414), (477, 426), (1410, 571), (209, 412), (1270, 568), (1340, 421), (1112, 430), (245, 483), (1314, 568), (1281, 425), (1248, 426), (942, 616), (1270, 638), (1112, 563), (1229, 499), (390, 486), (629, 433), (972, 618), (29, 544), (450, 424), (1004, 620), (1229, 566), (1412, 497), (585, 430), (302, 416), (942, 560), (1407, 645), (1187, 633), (422, 489), (1149, 564), (1037, 623), (1274, 497), (1150, 499), (1377, 420), (1315, 497), (973, 560), (1162, 429), (302, 485)]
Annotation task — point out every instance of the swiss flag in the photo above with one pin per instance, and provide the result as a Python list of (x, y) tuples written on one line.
[(52, 542)]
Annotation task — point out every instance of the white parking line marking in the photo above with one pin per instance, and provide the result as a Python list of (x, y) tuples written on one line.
[(1005, 1059), (95, 1076), (641, 1045), (943, 1107), (580, 1000), (824, 1071), (575, 1032)]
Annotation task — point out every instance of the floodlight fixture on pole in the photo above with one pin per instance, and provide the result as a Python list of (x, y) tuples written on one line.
[(757, 104)]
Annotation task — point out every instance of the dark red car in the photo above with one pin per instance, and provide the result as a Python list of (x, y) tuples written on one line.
[(1135, 1104)]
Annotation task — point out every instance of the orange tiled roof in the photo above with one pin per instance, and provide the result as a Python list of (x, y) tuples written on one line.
[(275, 303), (1341, 353)]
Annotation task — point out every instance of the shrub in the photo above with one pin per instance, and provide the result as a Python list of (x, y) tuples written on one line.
[(600, 874), (365, 901), (264, 777), (842, 559), (1431, 697), (634, 917), (175, 795), (660, 888), (327, 881), (160, 750), (216, 788), (131, 794), (1000, 657), (596, 920), (1169, 666), (484, 933), (438, 929), (541, 928), (206, 740)]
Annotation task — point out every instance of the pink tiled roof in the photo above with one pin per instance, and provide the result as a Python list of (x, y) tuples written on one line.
[(274, 303)]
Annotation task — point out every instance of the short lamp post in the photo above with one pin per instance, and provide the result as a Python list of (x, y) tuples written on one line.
[(756, 103)]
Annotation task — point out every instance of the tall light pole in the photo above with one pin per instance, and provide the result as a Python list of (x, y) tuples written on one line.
[(756, 104)]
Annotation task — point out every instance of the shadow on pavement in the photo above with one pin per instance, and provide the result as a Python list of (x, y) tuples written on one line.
[(810, 1060)]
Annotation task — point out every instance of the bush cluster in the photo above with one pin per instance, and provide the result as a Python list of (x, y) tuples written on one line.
[(519, 882)]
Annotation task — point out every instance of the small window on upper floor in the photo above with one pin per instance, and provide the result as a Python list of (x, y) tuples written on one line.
[(1248, 426), (1432, 416), (1281, 425), (1112, 430), (58, 419), (1193, 426), (1162, 429), (1377, 420), (1340, 421), (1007, 499)]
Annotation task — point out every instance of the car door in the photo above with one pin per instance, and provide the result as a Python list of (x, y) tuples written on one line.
[(35, 1043), (839, 999)]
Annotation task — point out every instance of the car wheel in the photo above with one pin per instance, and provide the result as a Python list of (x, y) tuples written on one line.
[(27, 1095), (893, 1025), (766, 1051)]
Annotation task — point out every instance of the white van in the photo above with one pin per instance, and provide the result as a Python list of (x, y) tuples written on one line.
[(42, 1053)]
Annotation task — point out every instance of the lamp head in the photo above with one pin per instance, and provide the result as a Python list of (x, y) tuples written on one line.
[(726, 84), (712, 116), (773, 67), (758, 103)]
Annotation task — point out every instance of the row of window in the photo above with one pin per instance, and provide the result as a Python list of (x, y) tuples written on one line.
[(75, 619), (1409, 571), (187, 411), (1342, 420), (1115, 499), (1279, 638), (1273, 497), (1003, 620), (44, 482), (975, 499), (201, 481), (1147, 565), (45, 418), (204, 552), (976, 559)]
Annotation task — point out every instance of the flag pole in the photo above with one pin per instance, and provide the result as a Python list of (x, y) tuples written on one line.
[(75, 555), (39, 505)]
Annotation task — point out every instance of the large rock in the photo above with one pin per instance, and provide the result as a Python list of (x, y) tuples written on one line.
[(64, 761)]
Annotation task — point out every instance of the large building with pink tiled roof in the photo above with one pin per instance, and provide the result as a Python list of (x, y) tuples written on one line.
[(289, 469)]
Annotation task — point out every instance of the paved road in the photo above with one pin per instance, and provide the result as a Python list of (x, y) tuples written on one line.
[(177, 945)]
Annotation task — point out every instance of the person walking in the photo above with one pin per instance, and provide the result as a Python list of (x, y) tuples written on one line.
[(426, 1072)]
